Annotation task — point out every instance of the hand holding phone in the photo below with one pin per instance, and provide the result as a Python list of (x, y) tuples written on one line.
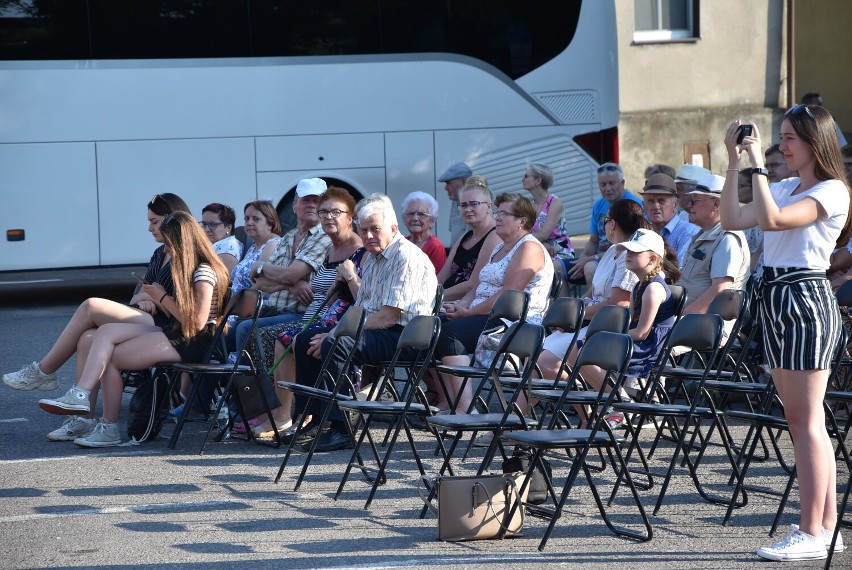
[(744, 131)]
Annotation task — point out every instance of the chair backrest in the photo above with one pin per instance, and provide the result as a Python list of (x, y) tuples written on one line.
[(701, 333), (609, 351), (555, 286), (439, 299), (245, 304), (418, 333), (524, 341), (611, 318), (565, 313), (680, 296), (511, 305), (729, 304), (351, 322)]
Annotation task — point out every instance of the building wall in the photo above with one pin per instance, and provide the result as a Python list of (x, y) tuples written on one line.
[(823, 42), (688, 92)]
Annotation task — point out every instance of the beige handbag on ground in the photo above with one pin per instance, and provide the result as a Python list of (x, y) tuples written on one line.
[(477, 507)]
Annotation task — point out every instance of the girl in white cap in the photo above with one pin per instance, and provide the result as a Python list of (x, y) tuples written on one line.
[(652, 307)]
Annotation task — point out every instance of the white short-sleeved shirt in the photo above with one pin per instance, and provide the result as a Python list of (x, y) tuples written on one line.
[(808, 246), (611, 273), (229, 245)]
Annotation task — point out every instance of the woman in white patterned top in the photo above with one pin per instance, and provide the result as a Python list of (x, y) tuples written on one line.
[(520, 262), (218, 223), (200, 284)]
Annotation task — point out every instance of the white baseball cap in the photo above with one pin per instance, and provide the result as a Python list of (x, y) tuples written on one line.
[(645, 240), (710, 185), (311, 187), (689, 173)]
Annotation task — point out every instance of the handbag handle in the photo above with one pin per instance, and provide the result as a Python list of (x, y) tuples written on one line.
[(513, 487), (427, 481)]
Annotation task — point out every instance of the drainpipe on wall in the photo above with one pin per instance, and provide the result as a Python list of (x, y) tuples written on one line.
[(791, 53)]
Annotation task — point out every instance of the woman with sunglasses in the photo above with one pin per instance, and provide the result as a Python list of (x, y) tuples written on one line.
[(218, 220), (200, 283), (469, 254), (803, 220), (419, 212), (518, 262), (95, 312)]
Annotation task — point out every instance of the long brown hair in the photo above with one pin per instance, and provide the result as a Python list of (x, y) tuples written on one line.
[(190, 247), (815, 127)]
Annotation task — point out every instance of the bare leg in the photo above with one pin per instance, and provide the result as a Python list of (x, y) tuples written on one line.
[(83, 346), (463, 399), (137, 352), (433, 383), (802, 392), (91, 314), (285, 371), (105, 341)]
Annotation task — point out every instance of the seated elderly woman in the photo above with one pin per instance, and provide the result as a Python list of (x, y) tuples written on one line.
[(218, 220), (518, 262), (419, 212), (471, 252), (612, 283)]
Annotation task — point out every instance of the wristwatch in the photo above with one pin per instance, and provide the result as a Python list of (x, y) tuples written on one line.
[(761, 171)]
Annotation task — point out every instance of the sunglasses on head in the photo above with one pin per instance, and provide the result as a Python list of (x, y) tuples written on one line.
[(800, 108), (607, 168)]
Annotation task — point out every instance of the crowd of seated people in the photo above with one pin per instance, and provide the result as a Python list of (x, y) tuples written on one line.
[(331, 260)]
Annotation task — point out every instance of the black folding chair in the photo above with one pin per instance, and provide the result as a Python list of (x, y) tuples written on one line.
[(611, 352), (700, 334), (415, 346), (245, 303), (325, 388)]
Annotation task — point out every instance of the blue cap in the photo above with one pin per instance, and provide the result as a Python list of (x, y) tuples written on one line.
[(458, 170)]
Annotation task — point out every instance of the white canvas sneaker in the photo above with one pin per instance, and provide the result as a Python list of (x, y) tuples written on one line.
[(31, 378), (74, 403), (827, 535), (798, 545), (103, 435), (72, 428)]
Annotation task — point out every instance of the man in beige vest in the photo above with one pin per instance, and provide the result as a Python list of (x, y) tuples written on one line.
[(716, 259)]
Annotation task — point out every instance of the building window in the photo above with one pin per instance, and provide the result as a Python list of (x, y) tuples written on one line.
[(665, 20)]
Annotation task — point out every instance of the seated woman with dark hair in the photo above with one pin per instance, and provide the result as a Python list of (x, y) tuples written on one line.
[(519, 262), (218, 222)]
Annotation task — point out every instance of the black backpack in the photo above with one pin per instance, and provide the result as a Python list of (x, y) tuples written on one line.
[(148, 407)]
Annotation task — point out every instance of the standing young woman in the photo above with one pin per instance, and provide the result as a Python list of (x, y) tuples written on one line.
[(200, 282), (803, 220), (94, 312)]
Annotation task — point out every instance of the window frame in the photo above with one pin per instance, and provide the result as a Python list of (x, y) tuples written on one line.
[(688, 35)]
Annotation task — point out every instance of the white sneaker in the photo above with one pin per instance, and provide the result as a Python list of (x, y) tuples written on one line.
[(102, 435), (827, 535), (75, 402), (72, 428), (30, 377), (798, 545)]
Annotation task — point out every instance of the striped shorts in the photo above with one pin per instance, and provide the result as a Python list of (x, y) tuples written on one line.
[(800, 318)]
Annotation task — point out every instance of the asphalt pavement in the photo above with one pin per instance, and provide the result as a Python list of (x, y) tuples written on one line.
[(147, 506)]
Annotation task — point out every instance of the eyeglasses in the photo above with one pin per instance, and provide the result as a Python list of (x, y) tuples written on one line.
[(500, 214), (607, 220), (470, 205), (607, 168), (775, 164), (801, 107), (694, 200), (417, 215), (211, 225), (331, 213)]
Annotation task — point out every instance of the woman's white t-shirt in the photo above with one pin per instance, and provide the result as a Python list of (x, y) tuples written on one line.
[(808, 246)]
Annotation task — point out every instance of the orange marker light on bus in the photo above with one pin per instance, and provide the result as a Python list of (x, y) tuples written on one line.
[(15, 235)]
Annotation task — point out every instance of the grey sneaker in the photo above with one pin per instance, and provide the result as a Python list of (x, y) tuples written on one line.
[(30, 378), (75, 402), (798, 545), (827, 535), (72, 428), (102, 435)]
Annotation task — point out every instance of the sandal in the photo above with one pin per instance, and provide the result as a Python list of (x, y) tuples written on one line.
[(282, 428), (240, 427)]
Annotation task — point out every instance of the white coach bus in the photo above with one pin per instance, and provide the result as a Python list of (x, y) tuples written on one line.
[(104, 104)]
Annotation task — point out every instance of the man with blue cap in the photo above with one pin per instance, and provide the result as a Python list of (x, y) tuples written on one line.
[(454, 179)]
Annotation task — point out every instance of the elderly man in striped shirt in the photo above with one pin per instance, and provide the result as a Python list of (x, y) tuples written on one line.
[(397, 282)]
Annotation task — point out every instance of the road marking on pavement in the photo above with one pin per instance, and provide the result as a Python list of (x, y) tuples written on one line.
[(439, 562), (12, 420), (30, 282), (73, 457), (155, 507)]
